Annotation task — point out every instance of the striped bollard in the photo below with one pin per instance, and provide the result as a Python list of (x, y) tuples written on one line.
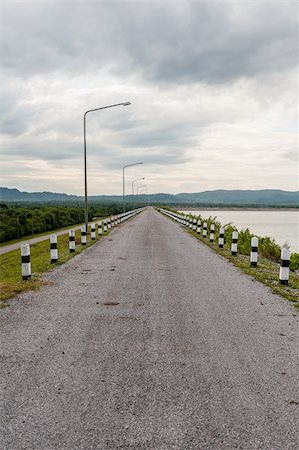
[(100, 229), (190, 223), (109, 223), (194, 224), (105, 226), (93, 231), (212, 232), (112, 221), (83, 235), (204, 230), (221, 237), (26, 265), (53, 248), (72, 243), (198, 226), (253, 253), (234, 246), (284, 270)]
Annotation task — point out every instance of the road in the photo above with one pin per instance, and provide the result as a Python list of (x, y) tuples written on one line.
[(149, 340)]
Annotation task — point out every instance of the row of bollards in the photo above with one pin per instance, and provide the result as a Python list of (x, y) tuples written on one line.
[(103, 227), (195, 225)]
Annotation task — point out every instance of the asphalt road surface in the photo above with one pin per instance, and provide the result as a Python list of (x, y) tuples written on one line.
[(149, 340)]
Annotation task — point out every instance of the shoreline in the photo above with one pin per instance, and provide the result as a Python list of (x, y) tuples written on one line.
[(211, 208)]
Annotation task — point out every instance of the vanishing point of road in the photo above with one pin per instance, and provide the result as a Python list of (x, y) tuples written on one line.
[(149, 340)]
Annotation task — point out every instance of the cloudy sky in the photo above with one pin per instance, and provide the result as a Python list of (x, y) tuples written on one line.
[(213, 87)]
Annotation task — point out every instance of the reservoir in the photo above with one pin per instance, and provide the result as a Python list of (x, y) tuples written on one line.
[(281, 225)]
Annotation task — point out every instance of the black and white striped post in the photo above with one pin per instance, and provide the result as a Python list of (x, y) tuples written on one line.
[(194, 223), (100, 229), (284, 271), (204, 230), (83, 235), (234, 246), (105, 226), (112, 221), (254, 251), (190, 223), (109, 223), (72, 243), (221, 237), (93, 231), (198, 226), (26, 265), (212, 232), (53, 248)]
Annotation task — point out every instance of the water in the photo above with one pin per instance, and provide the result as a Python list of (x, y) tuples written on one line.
[(281, 225)]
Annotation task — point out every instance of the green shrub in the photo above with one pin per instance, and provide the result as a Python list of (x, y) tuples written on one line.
[(294, 261)]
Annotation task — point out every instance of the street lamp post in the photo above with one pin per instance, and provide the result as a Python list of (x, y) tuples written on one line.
[(135, 181), (124, 167), (139, 187), (85, 165)]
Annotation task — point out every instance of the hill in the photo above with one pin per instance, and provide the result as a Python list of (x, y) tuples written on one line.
[(265, 197)]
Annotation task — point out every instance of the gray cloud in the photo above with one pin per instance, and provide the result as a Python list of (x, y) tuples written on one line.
[(185, 42), (208, 81)]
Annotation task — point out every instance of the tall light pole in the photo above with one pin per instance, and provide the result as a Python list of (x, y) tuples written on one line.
[(134, 181), (139, 187), (85, 165), (124, 167)]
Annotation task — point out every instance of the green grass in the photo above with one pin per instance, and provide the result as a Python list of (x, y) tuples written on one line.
[(11, 282)]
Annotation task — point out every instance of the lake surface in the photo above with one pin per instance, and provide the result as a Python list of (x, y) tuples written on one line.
[(281, 225)]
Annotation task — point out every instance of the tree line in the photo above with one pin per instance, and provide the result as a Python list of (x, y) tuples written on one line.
[(17, 220)]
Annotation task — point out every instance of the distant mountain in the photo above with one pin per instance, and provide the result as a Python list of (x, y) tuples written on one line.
[(265, 197)]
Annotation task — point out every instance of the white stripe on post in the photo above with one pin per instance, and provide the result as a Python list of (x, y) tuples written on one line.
[(204, 231), (284, 271), (212, 232), (234, 246), (105, 226), (221, 237), (53, 248), (109, 223), (190, 223), (72, 243), (254, 251), (26, 265), (83, 235), (93, 231)]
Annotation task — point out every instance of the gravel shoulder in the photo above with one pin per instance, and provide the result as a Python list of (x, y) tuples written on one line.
[(149, 340)]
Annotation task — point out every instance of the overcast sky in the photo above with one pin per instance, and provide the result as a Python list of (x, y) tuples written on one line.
[(213, 86)]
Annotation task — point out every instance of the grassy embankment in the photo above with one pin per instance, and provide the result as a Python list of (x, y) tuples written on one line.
[(11, 282), (267, 270)]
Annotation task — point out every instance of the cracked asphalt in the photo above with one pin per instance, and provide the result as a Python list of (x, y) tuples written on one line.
[(149, 340)]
